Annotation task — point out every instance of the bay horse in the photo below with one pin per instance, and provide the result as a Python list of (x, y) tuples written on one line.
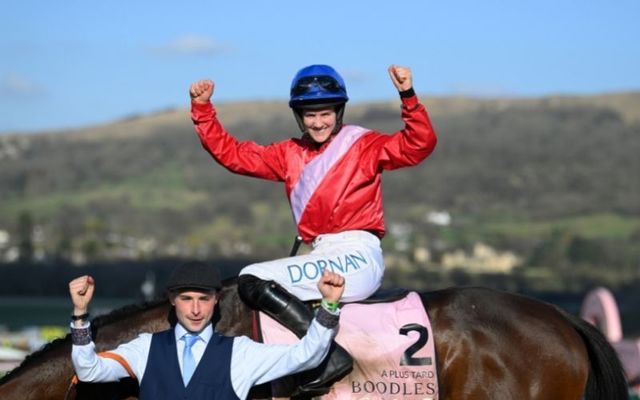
[(489, 345)]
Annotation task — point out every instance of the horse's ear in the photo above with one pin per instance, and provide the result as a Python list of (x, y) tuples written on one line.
[(223, 291)]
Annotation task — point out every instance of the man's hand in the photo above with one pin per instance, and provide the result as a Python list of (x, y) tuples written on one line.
[(401, 77), (331, 286), (81, 291), (201, 91)]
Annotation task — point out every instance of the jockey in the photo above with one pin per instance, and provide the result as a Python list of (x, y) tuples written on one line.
[(332, 176)]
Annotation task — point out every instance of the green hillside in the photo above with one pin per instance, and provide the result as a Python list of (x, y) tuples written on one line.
[(513, 173)]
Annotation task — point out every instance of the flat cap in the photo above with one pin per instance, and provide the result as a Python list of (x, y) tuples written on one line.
[(194, 275)]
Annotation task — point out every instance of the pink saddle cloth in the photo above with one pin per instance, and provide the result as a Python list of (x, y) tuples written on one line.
[(392, 347)]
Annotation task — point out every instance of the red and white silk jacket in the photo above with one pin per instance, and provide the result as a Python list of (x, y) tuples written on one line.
[(332, 188)]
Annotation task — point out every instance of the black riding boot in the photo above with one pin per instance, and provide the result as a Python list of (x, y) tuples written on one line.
[(276, 302)]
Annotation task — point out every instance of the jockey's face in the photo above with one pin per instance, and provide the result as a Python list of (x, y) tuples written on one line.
[(319, 124), (194, 308)]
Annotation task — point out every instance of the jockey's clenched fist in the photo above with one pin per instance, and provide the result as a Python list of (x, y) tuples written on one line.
[(401, 77), (201, 91)]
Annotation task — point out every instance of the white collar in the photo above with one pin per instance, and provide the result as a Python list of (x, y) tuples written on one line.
[(205, 334)]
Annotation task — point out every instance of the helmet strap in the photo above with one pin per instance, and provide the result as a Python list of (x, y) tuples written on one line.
[(339, 114), (297, 113)]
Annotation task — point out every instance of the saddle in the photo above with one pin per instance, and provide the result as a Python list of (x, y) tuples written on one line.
[(385, 296), (390, 339)]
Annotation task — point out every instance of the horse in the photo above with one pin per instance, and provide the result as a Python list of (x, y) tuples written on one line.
[(489, 344)]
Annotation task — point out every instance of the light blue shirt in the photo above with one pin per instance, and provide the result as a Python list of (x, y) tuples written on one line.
[(252, 363)]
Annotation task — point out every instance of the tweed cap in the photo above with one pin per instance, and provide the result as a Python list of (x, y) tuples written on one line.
[(194, 275)]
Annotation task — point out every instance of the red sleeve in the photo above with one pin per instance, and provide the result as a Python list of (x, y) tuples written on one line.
[(412, 144), (245, 158)]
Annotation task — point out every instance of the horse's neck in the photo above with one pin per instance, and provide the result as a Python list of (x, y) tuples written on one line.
[(45, 374)]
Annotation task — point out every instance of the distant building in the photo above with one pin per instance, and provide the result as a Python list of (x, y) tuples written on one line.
[(10, 358), (422, 255), (483, 258), (401, 234), (440, 218)]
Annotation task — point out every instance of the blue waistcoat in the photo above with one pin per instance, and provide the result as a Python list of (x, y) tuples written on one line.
[(211, 380)]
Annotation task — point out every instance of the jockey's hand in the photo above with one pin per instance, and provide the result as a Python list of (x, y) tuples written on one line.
[(401, 77), (201, 91), (331, 286), (81, 291)]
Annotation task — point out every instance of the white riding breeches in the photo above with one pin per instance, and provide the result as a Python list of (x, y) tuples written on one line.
[(356, 255)]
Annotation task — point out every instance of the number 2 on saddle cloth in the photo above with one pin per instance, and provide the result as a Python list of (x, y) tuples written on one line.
[(391, 343)]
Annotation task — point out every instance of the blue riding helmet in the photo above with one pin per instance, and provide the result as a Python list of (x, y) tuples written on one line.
[(318, 86)]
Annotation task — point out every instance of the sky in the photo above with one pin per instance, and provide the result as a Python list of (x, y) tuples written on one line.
[(70, 63)]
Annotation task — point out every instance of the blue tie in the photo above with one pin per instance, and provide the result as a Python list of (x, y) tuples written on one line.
[(188, 362)]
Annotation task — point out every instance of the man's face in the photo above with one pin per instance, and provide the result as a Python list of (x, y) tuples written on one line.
[(194, 309), (319, 124)]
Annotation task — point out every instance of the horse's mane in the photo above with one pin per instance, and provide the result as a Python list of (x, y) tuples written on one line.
[(127, 311), (113, 316)]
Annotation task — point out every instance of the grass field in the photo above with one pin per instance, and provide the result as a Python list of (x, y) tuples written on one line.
[(596, 226)]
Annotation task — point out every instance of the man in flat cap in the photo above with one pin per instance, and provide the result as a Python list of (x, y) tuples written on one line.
[(192, 360)]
